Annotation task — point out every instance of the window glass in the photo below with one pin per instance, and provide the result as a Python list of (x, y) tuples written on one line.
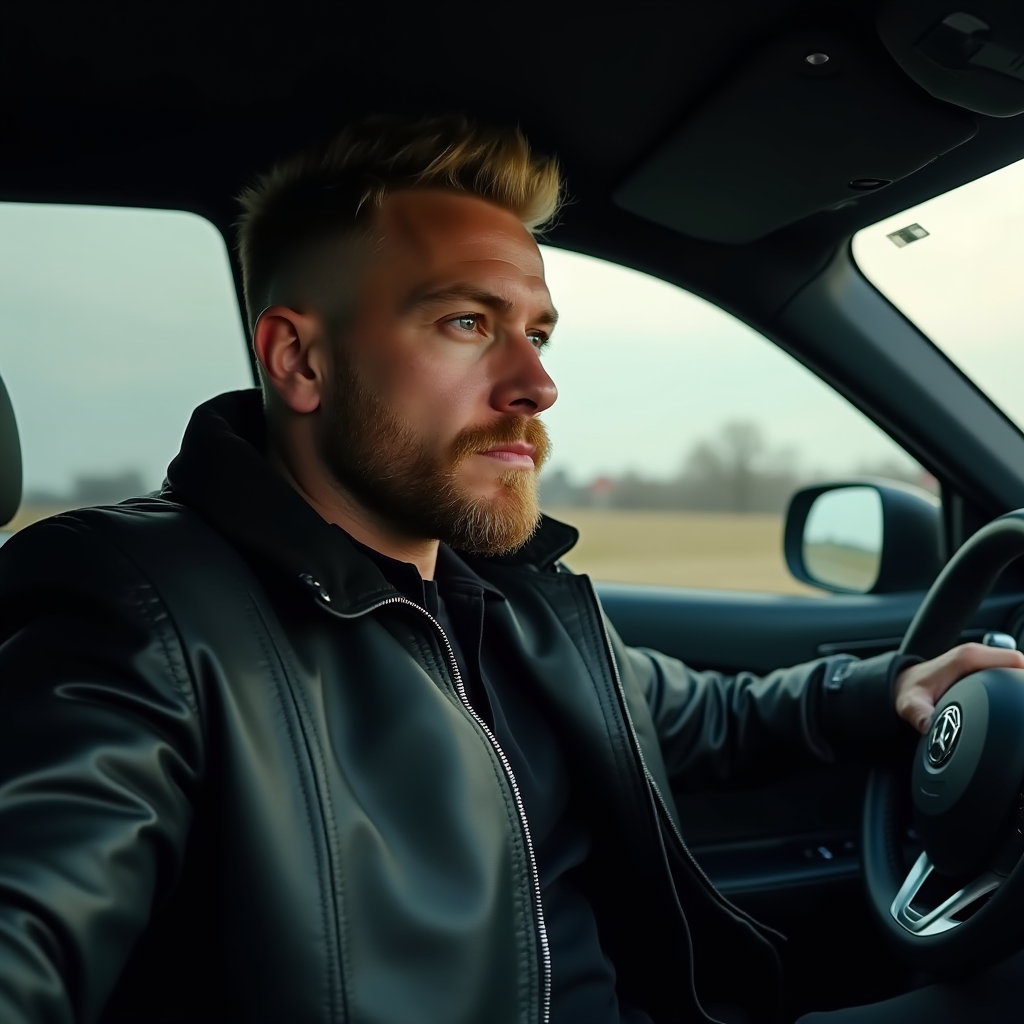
[(679, 434), (955, 267), (114, 325)]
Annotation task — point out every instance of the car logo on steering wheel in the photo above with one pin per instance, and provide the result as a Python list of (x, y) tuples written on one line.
[(945, 733)]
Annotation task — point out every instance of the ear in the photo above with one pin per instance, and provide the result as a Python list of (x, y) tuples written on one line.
[(288, 347)]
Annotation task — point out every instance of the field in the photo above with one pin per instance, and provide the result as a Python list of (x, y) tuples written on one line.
[(687, 549), (28, 514), (842, 565)]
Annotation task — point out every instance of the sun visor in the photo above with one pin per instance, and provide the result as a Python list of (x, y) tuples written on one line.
[(972, 56), (812, 121)]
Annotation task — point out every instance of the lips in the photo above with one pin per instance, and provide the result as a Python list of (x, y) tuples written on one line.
[(515, 448), (510, 445), (519, 453)]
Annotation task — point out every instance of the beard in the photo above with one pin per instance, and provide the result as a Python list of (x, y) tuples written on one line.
[(397, 473)]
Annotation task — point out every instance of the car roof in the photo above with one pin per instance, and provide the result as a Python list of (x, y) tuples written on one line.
[(169, 105)]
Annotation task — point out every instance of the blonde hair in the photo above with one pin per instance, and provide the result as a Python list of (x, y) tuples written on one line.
[(335, 189)]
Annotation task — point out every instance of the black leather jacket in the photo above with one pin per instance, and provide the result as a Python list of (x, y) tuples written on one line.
[(238, 780)]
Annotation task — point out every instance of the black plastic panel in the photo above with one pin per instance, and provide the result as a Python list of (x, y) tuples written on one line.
[(771, 864), (733, 631), (815, 118)]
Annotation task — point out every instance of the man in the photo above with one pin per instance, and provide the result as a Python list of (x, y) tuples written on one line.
[(327, 732)]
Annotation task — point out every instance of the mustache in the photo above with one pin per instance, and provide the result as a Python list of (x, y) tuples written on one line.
[(474, 440)]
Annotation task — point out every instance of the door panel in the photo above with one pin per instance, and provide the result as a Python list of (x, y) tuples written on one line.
[(759, 632)]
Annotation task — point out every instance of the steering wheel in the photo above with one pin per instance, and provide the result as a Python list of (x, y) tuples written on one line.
[(961, 904)]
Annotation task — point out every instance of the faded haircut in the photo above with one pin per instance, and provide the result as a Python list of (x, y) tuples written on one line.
[(331, 192)]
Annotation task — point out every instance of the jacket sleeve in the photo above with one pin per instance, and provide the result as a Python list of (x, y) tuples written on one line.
[(715, 729), (100, 756)]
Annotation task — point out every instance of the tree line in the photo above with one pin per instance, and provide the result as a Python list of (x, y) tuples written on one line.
[(736, 470)]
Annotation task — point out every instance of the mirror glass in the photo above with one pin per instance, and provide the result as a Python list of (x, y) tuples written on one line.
[(842, 542)]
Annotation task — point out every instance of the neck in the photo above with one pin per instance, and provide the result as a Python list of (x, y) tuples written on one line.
[(342, 509)]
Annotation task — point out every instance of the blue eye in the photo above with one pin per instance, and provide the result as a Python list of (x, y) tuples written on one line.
[(466, 323)]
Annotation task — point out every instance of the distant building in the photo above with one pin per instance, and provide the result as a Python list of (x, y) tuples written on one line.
[(601, 491)]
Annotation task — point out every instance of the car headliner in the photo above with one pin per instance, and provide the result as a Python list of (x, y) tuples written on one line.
[(170, 105)]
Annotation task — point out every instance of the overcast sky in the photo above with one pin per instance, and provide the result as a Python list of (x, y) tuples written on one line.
[(645, 370), (963, 284), (114, 324)]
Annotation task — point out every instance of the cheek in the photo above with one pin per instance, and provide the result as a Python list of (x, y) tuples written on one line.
[(437, 387), (442, 398)]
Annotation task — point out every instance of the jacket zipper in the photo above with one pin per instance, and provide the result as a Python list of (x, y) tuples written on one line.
[(460, 689)]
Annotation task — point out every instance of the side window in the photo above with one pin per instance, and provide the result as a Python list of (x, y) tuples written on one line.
[(114, 325), (680, 433)]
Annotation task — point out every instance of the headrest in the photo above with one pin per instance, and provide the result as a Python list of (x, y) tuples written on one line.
[(10, 459)]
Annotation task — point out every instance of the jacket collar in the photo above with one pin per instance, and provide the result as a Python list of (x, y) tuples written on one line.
[(222, 473)]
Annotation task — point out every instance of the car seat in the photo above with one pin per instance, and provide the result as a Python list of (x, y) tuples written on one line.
[(10, 459)]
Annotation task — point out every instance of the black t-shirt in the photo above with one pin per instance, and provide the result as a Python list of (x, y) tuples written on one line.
[(582, 977)]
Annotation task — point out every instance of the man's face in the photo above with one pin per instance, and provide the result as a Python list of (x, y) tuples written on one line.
[(431, 417)]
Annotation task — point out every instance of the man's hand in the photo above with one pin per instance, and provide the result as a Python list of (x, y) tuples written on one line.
[(920, 687)]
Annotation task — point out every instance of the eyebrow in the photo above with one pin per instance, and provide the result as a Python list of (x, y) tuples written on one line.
[(419, 300)]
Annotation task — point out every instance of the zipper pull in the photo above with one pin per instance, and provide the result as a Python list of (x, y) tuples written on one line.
[(316, 586)]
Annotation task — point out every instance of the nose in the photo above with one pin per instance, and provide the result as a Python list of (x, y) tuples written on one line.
[(522, 385)]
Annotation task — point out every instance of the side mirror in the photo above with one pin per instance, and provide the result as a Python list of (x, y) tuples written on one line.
[(864, 537)]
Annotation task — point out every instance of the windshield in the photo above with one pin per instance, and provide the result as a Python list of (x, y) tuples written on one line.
[(955, 267)]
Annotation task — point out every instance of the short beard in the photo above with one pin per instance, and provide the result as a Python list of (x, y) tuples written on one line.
[(377, 458)]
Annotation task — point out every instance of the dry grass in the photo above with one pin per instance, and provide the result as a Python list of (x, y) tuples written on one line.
[(842, 565), (685, 549), (29, 514)]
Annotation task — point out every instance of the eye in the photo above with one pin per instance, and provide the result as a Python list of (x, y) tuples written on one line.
[(537, 338), (467, 322)]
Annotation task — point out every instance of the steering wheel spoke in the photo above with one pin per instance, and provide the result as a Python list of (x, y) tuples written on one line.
[(942, 918)]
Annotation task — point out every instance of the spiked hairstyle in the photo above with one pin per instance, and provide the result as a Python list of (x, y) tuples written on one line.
[(332, 191)]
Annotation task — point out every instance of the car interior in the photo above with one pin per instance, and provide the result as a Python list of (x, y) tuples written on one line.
[(733, 150)]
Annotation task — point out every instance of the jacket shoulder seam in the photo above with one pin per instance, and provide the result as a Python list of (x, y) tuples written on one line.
[(146, 598)]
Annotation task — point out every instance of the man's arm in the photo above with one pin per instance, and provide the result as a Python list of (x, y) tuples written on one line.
[(715, 729), (100, 756)]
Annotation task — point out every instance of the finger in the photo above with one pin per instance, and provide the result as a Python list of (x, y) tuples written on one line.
[(925, 684), (968, 658), (949, 668), (917, 709)]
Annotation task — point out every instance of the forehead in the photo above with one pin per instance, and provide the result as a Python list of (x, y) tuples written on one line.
[(432, 232)]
